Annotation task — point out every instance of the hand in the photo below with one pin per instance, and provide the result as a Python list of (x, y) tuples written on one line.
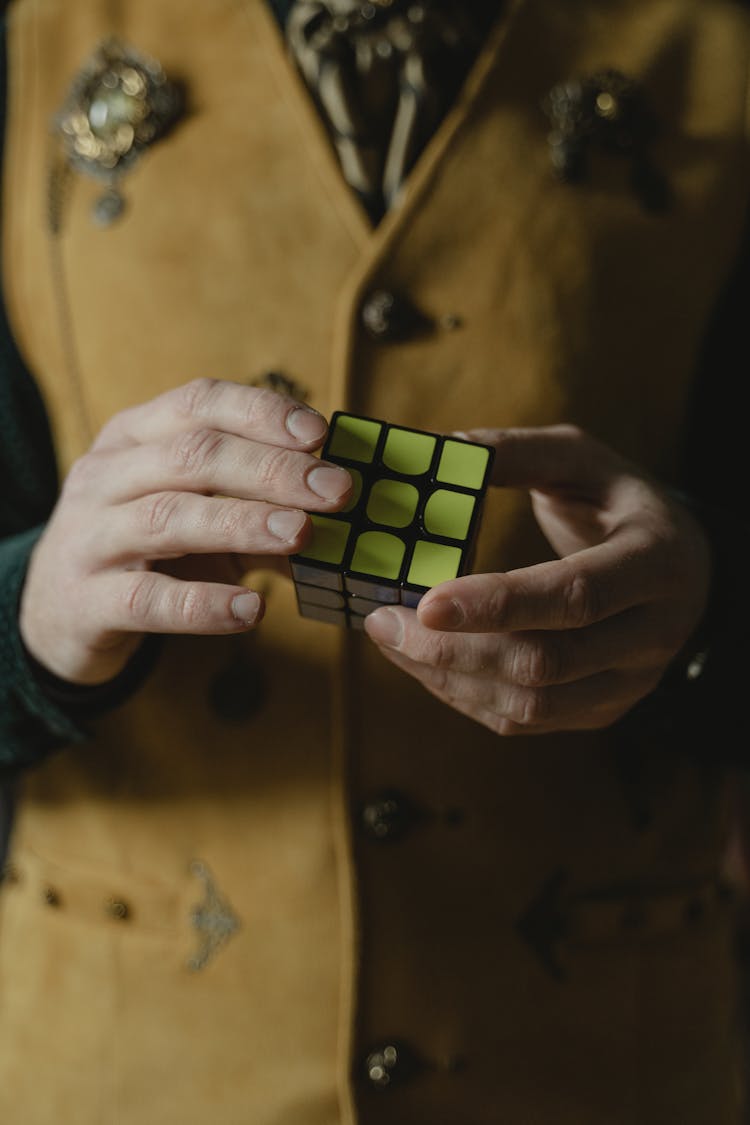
[(571, 644), (212, 469)]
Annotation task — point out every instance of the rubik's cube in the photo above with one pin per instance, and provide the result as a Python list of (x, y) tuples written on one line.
[(411, 522)]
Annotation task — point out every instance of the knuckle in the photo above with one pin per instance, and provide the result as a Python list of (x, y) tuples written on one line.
[(528, 708), (138, 597), (195, 399), (438, 652), (231, 521), (192, 452), (536, 663), (111, 428), (440, 681), (581, 602), (82, 472), (157, 513), (263, 406), (504, 726), (499, 605), (191, 606), (272, 464)]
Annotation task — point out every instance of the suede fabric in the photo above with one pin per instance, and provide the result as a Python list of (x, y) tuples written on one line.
[(242, 251)]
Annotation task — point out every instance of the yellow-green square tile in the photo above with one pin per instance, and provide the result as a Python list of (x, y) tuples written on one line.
[(433, 563), (378, 553), (463, 464), (449, 513), (328, 540), (392, 502), (408, 452), (354, 438)]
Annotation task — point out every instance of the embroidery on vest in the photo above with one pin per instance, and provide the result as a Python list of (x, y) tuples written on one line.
[(119, 104), (214, 919), (605, 111), (281, 383)]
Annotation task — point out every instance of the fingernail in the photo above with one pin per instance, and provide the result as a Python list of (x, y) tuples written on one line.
[(385, 627), (329, 482), (246, 607), (285, 524), (306, 425)]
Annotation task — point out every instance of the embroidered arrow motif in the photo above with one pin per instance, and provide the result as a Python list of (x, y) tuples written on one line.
[(214, 919), (543, 924)]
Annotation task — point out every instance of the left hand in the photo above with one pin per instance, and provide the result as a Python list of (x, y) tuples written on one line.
[(574, 643)]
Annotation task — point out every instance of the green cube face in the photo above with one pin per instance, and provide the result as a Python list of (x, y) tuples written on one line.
[(411, 522)]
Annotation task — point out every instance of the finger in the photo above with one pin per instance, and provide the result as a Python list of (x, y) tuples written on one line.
[(638, 639), (251, 412), (588, 704), (150, 602), (562, 458), (570, 593), (168, 525), (211, 461)]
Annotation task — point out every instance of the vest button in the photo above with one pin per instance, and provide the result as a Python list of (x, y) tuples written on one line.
[(50, 896), (388, 816), (388, 317), (117, 909), (379, 314), (389, 1064)]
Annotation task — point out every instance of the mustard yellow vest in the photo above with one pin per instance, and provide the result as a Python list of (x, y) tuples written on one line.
[(203, 928)]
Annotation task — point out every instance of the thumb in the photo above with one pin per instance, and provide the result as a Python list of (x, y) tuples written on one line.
[(582, 491), (556, 459)]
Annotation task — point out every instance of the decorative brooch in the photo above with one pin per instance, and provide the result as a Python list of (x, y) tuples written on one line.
[(607, 111), (119, 104)]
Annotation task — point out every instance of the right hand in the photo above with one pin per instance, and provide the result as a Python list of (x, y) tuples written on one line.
[(210, 469)]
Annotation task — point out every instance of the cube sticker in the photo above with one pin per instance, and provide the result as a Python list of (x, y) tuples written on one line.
[(411, 523)]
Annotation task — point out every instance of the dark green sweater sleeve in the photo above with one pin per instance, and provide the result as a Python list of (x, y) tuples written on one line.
[(31, 724), (32, 721)]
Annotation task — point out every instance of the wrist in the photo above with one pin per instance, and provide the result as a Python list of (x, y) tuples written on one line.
[(90, 699)]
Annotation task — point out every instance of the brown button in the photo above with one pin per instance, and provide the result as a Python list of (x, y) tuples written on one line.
[(51, 896), (390, 1064), (117, 909), (388, 816)]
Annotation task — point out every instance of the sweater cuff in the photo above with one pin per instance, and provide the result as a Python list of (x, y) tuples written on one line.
[(38, 710), (23, 695), (86, 701)]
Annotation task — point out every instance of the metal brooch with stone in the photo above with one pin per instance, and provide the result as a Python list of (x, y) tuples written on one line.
[(606, 111), (119, 104)]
